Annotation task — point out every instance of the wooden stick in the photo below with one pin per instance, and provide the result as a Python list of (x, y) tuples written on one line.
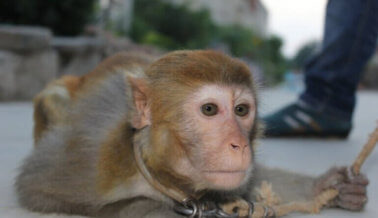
[(367, 149)]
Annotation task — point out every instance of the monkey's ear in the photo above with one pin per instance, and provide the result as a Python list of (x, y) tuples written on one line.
[(139, 87)]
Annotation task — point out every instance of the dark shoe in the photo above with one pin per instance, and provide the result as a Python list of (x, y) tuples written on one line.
[(299, 121)]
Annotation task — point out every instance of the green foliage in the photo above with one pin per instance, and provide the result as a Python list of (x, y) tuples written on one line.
[(266, 52), (64, 17), (170, 26), (273, 62), (239, 39), (176, 27)]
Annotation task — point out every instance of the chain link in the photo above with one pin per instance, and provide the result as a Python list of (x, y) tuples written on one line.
[(194, 209)]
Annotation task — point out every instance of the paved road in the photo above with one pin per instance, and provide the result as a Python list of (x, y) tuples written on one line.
[(302, 155)]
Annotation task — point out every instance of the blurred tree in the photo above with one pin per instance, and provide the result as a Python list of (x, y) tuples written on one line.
[(64, 17), (170, 26), (274, 63), (303, 54), (173, 26), (239, 39)]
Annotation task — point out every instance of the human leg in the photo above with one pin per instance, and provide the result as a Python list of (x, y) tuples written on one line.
[(331, 77)]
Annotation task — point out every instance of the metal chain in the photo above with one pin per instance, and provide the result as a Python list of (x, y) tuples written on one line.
[(194, 209)]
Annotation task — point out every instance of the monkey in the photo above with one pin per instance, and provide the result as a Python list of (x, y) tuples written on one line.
[(137, 135)]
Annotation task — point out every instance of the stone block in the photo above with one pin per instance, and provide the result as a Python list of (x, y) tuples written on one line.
[(34, 72), (21, 38), (9, 63), (81, 64), (77, 45)]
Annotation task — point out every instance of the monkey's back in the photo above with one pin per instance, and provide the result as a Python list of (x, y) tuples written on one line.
[(51, 105), (67, 153)]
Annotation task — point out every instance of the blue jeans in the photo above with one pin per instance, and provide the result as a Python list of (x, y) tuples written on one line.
[(350, 38)]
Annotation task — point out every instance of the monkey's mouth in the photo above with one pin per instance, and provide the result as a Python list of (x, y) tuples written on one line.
[(225, 179), (225, 171)]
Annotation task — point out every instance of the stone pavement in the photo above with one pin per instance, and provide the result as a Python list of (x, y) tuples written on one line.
[(310, 156)]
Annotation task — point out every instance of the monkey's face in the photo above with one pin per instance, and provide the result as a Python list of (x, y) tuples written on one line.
[(215, 136)]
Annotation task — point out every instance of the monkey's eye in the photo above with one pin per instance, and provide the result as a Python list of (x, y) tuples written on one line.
[(241, 110), (209, 109)]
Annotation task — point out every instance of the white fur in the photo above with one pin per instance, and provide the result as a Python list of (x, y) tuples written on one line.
[(56, 90)]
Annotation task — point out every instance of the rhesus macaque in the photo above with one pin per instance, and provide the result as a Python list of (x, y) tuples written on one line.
[(193, 116)]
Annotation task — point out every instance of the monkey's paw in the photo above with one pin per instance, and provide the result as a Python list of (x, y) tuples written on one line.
[(351, 188), (242, 207), (239, 206)]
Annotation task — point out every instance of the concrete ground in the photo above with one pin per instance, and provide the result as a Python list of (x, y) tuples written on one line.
[(309, 156)]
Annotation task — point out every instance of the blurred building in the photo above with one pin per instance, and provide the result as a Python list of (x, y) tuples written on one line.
[(117, 12), (248, 13)]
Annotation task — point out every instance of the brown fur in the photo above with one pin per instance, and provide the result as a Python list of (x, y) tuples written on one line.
[(72, 83), (187, 70), (117, 162)]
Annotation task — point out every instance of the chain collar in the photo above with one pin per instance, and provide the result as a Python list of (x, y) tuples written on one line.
[(206, 209)]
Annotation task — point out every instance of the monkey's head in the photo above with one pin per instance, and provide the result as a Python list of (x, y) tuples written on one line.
[(201, 110)]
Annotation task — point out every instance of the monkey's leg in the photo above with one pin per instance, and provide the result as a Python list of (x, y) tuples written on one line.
[(51, 104), (138, 207), (40, 202)]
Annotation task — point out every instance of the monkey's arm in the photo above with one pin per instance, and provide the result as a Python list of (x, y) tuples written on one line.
[(288, 185), (296, 187), (139, 207)]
